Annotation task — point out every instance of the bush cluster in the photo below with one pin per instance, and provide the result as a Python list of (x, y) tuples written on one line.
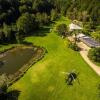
[(94, 54), (73, 46)]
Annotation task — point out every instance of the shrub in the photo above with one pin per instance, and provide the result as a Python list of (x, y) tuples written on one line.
[(62, 29), (96, 35), (73, 46), (94, 54)]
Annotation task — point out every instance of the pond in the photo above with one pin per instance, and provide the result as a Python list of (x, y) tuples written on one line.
[(12, 60)]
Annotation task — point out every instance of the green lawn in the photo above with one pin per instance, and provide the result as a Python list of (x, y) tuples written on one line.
[(45, 81)]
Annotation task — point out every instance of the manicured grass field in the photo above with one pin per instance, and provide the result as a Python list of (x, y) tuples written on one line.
[(45, 81)]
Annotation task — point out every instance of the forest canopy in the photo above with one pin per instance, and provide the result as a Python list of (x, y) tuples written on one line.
[(15, 14)]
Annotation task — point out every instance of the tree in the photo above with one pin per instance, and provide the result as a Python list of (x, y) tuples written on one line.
[(45, 18), (73, 46), (42, 6), (3, 17), (2, 36), (19, 38), (8, 11), (94, 54), (85, 16), (39, 19), (8, 32), (3, 83), (23, 9), (62, 29), (76, 32), (96, 35), (25, 23), (53, 14), (42, 18)]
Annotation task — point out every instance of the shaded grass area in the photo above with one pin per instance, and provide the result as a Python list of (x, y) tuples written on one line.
[(45, 81), (12, 95), (41, 32)]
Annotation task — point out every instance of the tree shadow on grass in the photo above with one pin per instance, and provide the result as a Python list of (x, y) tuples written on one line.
[(12, 95), (43, 31)]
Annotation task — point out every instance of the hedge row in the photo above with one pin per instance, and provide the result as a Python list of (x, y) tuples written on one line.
[(73, 46)]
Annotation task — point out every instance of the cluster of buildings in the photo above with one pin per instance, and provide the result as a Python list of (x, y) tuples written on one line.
[(89, 41)]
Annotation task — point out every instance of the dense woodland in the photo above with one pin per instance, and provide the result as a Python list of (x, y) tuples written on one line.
[(19, 18)]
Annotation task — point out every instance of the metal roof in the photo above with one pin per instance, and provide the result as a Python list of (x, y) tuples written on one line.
[(90, 42), (75, 27)]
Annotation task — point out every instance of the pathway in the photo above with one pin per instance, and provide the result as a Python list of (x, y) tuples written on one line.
[(84, 53)]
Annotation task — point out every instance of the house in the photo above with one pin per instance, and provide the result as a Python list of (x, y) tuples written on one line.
[(88, 40), (73, 27)]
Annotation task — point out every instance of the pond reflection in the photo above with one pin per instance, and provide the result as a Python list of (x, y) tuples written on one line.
[(15, 59)]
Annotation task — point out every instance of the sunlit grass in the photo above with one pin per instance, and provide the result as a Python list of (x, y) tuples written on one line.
[(45, 81)]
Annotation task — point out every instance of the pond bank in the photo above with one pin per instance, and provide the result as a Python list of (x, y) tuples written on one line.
[(4, 48), (34, 57)]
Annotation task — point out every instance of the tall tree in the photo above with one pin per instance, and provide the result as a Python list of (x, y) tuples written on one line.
[(25, 23), (8, 32), (53, 14)]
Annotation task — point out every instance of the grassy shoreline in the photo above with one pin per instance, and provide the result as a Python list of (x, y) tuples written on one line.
[(4, 48)]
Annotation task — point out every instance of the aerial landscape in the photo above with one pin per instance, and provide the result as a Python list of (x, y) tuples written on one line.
[(49, 49)]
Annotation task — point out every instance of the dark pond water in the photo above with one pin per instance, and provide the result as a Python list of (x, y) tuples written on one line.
[(15, 59)]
